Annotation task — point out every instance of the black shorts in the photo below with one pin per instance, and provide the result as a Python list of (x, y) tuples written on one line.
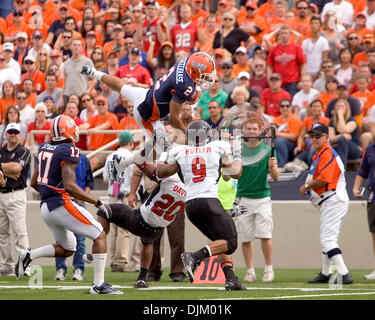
[(371, 216), (132, 220), (209, 216)]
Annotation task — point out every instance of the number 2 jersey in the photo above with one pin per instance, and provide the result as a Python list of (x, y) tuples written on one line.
[(200, 167), (174, 85), (50, 160), (165, 202)]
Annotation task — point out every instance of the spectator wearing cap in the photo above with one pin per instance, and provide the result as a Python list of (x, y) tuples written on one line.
[(75, 82), (354, 104), (112, 63), (34, 74), (342, 9), (165, 59), (243, 79), (213, 93), (125, 113), (227, 80), (252, 23), (12, 114), (133, 73), (360, 58), (111, 95), (315, 48), (18, 25), (38, 44), (15, 164), (288, 127), (258, 81), (123, 60), (359, 26), (8, 52), (150, 27), (209, 30), (40, 123), (229, 37), (90, 43), (242, 60), (104, 120), (51, 108), (22, 48), (288, 60), (185, 34), (58, 24), (370, 14), (51, 89), (272, 96), (6, 73), (219, 58)]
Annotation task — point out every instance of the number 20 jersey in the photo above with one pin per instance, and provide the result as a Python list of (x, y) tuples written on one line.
[(165, 202), (50, 184), (200, 167)]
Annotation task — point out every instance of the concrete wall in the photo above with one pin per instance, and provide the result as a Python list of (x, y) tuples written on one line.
[(296, 237)]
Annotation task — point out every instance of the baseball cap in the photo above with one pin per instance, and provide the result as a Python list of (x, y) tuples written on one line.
[(64, 6), (13, 126), (243, 74), (275, 76), (368, 37), (225, 3), (241, 50), (29, 58), (37, 34), (166, 43), (8, 46), (21, 35), (319, 128), (48, 98), (342, 85), (91, 34), (55, 53), (251, 4), (125, 136), (135, 51), (111, 52), (152, 3), (101, 98), (360, 14), (219, 52)]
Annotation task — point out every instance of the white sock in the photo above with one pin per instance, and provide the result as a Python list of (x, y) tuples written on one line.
[(338, 262), (100, 260), (268, 268), (251, 270), (46, 251), (327, 265)]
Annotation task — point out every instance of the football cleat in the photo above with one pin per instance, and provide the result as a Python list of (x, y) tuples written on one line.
[(140, 284), (320, 278), (343, 279), (22, 263), (105, 288), (190, 264), (233, 284)]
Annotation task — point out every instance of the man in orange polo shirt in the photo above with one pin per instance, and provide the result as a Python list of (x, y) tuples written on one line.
[(104, 120), (34, 74), (325, 187), (253, 23)]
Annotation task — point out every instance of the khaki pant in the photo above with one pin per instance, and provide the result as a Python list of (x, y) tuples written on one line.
[(12, 220)]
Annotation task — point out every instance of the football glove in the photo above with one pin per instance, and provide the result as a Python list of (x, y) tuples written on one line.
[(237, 210), (105, 208), (87, 70)]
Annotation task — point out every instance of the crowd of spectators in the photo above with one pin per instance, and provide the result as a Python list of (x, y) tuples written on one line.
[(294, 61)]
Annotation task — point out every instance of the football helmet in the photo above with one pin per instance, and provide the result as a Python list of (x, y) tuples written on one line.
[(63, 128), (201, 69), (198, 133)]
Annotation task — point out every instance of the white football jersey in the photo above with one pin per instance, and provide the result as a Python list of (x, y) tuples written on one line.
[(165, 202), (200, 167)]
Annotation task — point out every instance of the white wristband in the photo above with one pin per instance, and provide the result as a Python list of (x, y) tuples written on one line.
[(98, 74)]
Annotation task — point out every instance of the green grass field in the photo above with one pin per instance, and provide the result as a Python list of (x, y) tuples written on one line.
[(288, 285)]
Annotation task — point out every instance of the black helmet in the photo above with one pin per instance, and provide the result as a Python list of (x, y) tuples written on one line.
[(198, 133)]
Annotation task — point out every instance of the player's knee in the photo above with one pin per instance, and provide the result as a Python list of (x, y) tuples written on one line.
[(232, 245), (69, 253)]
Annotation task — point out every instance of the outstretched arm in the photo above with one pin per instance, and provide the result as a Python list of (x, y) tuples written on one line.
[(111, 81)]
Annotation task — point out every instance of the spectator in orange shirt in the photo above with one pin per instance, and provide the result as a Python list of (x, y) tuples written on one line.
[(274, 23), (359, 26), (353, 42), (209, 31), (301, 22), (365, 96), (267, 10), (364, 70), (198, 15), (219, 58), (128, 122), (104, 120), (8, 98), (36, 22), (33, 73), (361, 57), (118, 39), (27, 87), (49, 11), (253, 23), (330, 93), (241, 61), (18, 25), (288, 127)]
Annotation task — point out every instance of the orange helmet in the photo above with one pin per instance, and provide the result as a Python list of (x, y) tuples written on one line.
[(63, 128), (201, 69)]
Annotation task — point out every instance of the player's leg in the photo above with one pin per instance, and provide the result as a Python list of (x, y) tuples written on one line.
[(146, 257), (371, 225)]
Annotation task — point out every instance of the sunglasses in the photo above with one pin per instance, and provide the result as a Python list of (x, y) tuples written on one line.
[(21, 98), (316, 135), (117, 30), (353, 38), (137, 11), (126, 23), (284, 105), (209, 108), (21, 40), (17, 14), (228, 19), (128, 43), (302, 8), (29, 62), (327, 67), (83, 101), (249, 8), (226, 67), (101, 104), (12, 132), (39, 111), (67, 37), (43, 54)]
